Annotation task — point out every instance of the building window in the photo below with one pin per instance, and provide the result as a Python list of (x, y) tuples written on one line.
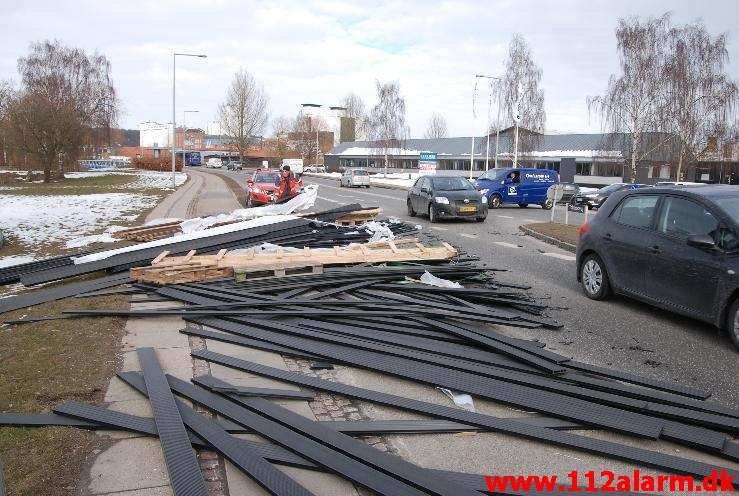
[(156, 153), (583, 168)]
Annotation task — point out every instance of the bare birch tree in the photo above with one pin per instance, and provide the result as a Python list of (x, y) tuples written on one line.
[(244, 113), (387, 120), (702, 98), (521, 98), (65, 94), (355, 110), (436, 127), (635, 102), (281, 128)]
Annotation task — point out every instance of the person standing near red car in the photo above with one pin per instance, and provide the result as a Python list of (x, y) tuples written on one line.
[(289, 185)]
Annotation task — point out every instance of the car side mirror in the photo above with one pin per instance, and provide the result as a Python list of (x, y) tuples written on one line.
[(702, 241), (424, 190)]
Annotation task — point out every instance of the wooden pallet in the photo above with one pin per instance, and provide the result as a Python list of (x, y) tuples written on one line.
[(359, 217), (191, 267), (149, 233), (242, 274)]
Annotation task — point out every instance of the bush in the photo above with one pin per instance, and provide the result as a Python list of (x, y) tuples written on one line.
[(157, 164)]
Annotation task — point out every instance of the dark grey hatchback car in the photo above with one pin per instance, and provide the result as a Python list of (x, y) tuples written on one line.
[(673, 248), (446, 197)]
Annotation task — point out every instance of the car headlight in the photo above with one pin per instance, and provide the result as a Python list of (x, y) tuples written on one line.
[(441, 199), (484, 192), (255, 189)]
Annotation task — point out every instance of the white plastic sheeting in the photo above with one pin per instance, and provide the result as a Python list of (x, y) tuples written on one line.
[(462, 400), (432, 280)]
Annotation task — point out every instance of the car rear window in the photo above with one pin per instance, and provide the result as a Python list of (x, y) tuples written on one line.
[(360, 173), (635, 211)]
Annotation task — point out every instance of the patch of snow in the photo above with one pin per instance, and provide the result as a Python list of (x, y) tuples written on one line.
[(11, 260), (239, 226), (144, 180), (36, 220)]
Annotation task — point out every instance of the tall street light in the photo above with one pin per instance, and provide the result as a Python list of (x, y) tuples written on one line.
[(174, 124), (313, 105), (184, 132), (497, 132)]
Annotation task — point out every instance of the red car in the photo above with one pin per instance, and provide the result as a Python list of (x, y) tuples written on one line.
[(263, 186)]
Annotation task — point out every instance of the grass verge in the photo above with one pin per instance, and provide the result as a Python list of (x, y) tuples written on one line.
[(563, 232), (43, 364)]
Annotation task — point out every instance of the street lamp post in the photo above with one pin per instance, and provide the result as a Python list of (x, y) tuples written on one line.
[(174, 123), (497, 134), (184, 132), (310, 117)]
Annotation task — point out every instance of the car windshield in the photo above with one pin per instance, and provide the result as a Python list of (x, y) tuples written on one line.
[(730, 206), (494, 174), (266, 178), (451, 184)]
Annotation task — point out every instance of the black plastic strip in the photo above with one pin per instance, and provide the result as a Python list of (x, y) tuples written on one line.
[(182, 465), (396, 467), (543, 401), (267, 392), (615, 450), (314, 451), (45, 419)]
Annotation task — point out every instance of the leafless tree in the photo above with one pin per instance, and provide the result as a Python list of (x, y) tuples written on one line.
[(521, 99), (305, 136), (701, 97), (243, 115), (635, 101), (6, 96), (436, 127), (64, 95), (281, 128), (355, 110), (388, 131), (48, 130)]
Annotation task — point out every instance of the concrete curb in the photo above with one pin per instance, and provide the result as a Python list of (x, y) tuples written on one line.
[(548, 239)]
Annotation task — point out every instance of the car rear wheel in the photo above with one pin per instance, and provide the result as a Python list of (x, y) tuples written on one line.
[(547, 204), (595, 278), (411, 212), (494, 201), (732, 323), (433, 216), (523, 205)]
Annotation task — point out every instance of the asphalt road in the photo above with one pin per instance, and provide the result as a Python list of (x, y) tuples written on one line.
[(619, 333)]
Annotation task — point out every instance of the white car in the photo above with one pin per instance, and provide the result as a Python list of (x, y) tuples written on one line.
[(315, 168), (355, 177), (214, 163)]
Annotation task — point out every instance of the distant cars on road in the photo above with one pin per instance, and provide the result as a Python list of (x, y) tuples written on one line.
[(234, 165), (446, 197), (675, 248), (355, 177), (315, 168), (596, 198), (214, 163)]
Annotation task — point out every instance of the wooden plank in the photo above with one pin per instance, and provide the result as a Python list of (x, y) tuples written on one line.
[(160, 257), (189, 255), (221, 254)]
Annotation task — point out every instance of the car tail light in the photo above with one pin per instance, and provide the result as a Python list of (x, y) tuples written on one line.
[(584, 228)]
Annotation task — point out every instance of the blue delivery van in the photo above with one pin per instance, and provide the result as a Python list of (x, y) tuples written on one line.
[(521, 186)]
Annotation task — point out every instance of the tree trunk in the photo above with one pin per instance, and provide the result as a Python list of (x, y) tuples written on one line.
[(680, 163), (634, 148), (385, 164), (47, 171)]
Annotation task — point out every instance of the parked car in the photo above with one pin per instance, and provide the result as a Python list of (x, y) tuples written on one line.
[(569, 191), (261, 186), (446, 197), (521, 186), (596, 198), (315, 168), (214, 163), (675, 248), (234, 165), (355, 177)]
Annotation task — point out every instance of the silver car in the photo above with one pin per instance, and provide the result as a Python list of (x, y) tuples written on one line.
[(355, 177)]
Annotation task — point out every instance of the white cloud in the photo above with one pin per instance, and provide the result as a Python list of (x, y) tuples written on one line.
[(318, 51)]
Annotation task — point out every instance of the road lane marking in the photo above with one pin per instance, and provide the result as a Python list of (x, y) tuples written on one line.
[(439, 228), (504, 216), (530, 221), (560, 256), (473, 236), (330, 201), (507, 245), (363, 192)]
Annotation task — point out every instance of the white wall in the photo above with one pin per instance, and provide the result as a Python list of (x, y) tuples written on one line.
[(155, 135)]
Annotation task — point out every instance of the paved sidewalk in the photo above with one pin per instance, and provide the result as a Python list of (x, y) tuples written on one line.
[(133, 465)]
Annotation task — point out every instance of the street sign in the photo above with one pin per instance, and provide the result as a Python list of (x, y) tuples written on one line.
[(575, 208), (555, 192), (427, 163)]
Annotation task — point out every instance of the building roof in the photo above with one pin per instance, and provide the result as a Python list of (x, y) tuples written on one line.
[(544, 145)]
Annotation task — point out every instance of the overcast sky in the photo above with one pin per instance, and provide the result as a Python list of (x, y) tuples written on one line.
[(316, 52)]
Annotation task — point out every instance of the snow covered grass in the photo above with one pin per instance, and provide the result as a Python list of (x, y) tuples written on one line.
[(38, 220)]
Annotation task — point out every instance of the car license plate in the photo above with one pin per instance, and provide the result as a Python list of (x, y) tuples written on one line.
[(468, 209)]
